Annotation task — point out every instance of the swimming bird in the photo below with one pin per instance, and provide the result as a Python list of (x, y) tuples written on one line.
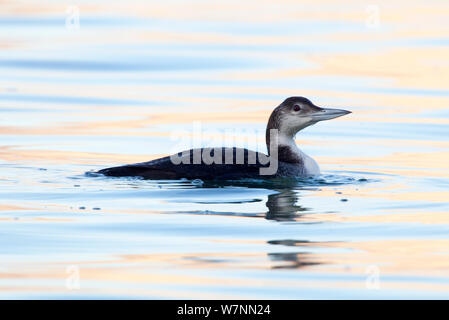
[(284, 158)]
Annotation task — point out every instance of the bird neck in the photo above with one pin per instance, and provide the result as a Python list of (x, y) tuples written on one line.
[(288, 151)]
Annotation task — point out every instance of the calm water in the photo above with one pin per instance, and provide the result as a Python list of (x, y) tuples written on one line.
[(119, 87)]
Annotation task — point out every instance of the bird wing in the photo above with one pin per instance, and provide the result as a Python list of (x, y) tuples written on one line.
[(227, 163)]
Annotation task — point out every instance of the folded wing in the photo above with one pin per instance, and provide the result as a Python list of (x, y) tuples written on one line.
[(236, 163)]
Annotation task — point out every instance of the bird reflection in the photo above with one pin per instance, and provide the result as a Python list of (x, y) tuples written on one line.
[(282, 206), (293, 260)]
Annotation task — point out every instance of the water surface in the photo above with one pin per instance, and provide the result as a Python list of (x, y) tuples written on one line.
[(120, 86)]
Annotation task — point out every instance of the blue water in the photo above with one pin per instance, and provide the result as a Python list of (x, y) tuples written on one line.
[(117, 88)]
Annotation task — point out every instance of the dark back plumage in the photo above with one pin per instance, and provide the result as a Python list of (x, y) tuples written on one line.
[(164, 168)]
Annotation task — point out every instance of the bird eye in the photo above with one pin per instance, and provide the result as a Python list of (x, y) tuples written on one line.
[(296, 107)]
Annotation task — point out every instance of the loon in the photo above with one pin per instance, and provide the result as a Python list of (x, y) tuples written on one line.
[(284, 158)]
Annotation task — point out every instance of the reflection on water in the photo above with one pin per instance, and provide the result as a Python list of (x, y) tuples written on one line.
[(282, 206), (74, 100), (295, 260)]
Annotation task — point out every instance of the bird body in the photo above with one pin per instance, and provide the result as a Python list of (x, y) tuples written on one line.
[(284, 158)]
